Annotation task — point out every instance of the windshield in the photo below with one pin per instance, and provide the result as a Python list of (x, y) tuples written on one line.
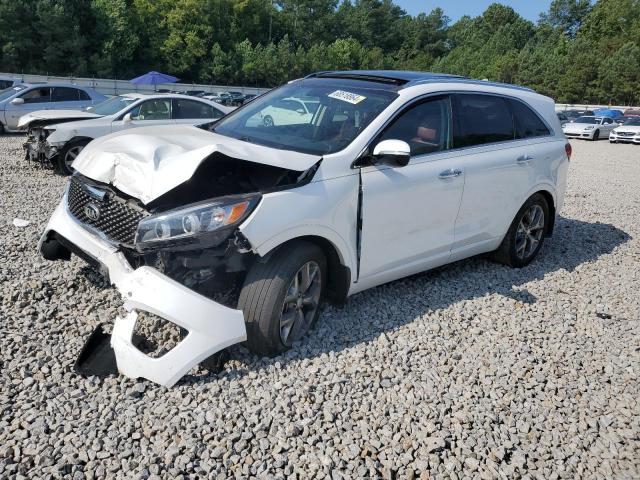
[(9, 92), (111, 106), (316, 116), (592, 120), (632, 122)]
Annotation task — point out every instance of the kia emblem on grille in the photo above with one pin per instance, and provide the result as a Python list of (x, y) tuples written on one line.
[(92, 211)]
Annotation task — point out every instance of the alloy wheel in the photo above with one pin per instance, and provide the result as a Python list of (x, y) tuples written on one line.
[(300, 303), (71, 155), (530, 231)]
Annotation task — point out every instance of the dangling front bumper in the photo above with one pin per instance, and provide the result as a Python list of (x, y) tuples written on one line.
[(211, 326)]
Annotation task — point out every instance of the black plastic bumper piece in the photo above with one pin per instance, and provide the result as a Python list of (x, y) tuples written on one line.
[(57, 247)]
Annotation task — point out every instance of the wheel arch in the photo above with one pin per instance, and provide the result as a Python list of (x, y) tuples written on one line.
[(339, 274), (548, 196)]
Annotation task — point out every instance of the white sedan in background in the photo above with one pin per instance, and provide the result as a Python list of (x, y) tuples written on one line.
[(61, 143), (628, 132), (288, 111), (589, 127)]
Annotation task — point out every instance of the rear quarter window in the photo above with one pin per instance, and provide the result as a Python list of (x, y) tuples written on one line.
[(528, 124)]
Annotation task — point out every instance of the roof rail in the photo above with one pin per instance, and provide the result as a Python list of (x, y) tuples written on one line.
[(469, 81)]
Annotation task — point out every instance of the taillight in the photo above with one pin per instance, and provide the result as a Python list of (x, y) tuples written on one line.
[(568, 150)]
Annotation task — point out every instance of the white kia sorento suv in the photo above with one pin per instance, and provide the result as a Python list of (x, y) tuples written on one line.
[(390, 173)]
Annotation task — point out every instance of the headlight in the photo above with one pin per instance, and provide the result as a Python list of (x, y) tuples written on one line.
[(589, 128), (195, 220)]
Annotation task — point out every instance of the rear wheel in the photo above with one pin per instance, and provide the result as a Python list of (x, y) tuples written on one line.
[(267, 121), (596, 135), (281, 298), (68, 154), (525, 236)]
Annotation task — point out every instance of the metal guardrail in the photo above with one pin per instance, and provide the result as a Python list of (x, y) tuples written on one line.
[(114, 87), (584, 106)]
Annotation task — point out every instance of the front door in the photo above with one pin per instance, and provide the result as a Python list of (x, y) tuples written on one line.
[(409, 213), (152, 112), (34, 99)]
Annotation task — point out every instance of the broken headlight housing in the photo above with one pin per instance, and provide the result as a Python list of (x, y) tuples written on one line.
[(196, 220)]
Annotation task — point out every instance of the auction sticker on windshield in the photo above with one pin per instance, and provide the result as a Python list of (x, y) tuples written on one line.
[(353, 98)]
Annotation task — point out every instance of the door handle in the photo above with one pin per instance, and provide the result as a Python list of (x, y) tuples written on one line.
[(452, 172), (524, 158)]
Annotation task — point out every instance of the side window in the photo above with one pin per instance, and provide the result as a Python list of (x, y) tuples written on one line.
[(482, 119), (189, 109), (608, 121), (64, 94), (528, 124), (84, 96), (37, 95), (159, 109), (425, 127)]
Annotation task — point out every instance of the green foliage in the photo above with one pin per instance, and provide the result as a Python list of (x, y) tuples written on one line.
[(579, 51)]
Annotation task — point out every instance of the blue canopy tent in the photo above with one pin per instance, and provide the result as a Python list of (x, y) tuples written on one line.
[(608, 112), (153, 78)]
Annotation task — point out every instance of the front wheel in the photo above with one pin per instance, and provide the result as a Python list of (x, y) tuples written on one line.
[(525, 236), (68, 154), (281, 297), (268, 121), (596, 135)]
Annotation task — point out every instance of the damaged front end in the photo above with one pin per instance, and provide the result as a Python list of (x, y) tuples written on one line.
[(36, 147), (179, 256)]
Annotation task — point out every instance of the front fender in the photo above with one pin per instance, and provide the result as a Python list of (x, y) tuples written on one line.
[(326, 209)]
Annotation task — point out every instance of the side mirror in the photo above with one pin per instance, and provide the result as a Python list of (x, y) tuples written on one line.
[(395, 153), (127, 118), (17, 101)]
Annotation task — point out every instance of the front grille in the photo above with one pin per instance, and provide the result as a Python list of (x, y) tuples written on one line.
[(626, 134), (117, 218)]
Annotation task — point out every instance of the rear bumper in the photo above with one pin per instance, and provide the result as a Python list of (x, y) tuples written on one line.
[(211, 326)]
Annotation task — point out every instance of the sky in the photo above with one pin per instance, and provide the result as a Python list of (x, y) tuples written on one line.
[(454, 9)]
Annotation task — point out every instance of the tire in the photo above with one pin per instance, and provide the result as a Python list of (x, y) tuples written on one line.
[(510, 252), (272, 324), (267, 121), (68, 154), (596, 135)]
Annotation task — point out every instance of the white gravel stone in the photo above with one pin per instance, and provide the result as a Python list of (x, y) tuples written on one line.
[(473, 370)]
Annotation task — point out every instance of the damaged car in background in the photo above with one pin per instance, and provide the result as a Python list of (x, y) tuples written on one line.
[(237, 231), (58, 139)]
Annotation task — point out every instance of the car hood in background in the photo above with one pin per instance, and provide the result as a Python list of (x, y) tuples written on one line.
[(579, 126), (627, 128), (148, 162), (52, 116)]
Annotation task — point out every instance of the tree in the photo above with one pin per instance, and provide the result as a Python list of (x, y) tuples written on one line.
[(566, 15)]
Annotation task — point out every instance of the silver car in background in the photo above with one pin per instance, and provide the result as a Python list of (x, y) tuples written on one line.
[(24, 98)]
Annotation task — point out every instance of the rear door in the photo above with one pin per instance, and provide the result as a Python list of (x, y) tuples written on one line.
[(192, 112), (37, 98), (66, 98), (499, 140)]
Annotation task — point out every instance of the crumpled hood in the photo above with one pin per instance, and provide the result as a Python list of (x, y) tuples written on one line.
[(53, 115), (148, 162)]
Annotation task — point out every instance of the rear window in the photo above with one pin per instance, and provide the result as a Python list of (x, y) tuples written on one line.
[(528, 124), (482, 119)]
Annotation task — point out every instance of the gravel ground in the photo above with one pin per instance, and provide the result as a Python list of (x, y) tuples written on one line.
[(471, 371)]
